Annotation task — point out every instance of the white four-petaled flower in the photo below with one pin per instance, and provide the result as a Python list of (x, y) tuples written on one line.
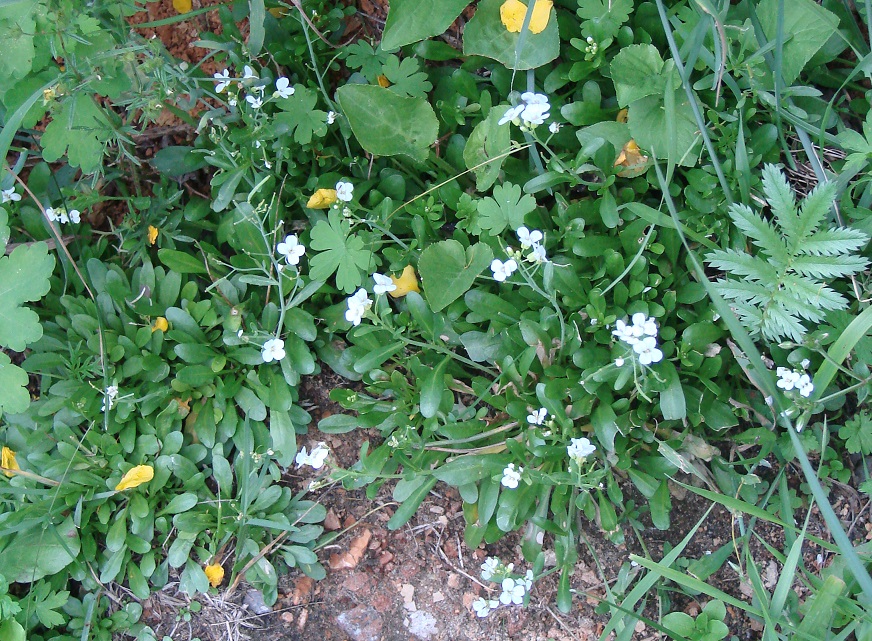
[(109, 396), (489, 568), (533, 110), (315, 458), (537, 417), (483, 606), (648, 351), (511, 476), (273, 350), (513, 591), (357, 306), (291, 249), (248, 73), (256, 102), (529, 238), (502, 270), (331, 117), (579, 449), (9, 195), (383, 284), (790, 379), (224, 79), (344, 191), (283, 88)]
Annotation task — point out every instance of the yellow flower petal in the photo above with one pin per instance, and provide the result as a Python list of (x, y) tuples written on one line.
[(182, 6), (152, 234), (8, 462), (160, 323), (135, 477), (407, 282), (622, 115), (631, 158), (322, 199), (512, 14), (215, 574)]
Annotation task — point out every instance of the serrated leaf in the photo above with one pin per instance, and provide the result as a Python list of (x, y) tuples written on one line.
[(361, 55), (339, 252), (386, 124), (24, 277), (14, 397), (78, 130), (506, 208), (299, 116), (603, 18), (406, 77)]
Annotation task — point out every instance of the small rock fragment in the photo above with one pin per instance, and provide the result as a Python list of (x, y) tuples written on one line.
[(254, 601), (362, 623), (423, 625)]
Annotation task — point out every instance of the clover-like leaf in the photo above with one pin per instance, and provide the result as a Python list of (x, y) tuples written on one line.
[(79, 130), (507, 208), (340, 252), (24, 277), (300, 117), (14, 397), (406, 77)]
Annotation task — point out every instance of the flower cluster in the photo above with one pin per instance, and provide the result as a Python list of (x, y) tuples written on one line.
[(61, 215), (511, 476), (256, 98), (315, 458), (532, 240), (357, 306), (533, 110), (641, 335), (513, 588), (791, 379), (109, 397)]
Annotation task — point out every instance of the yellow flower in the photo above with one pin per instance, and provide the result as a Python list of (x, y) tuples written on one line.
[(383, 82), (160, 323), (622, 115), (215, 574), (407, 282), (512, 14), (135, 477), (322, 199), (8, 462), (182, 6), (631, 158), (152, 234)]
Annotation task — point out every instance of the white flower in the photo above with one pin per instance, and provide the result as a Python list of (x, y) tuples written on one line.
[(63, 218), (344, 191), (224, 80), (579, 449), (291, 249), (256, 102), (357, 306), (315, 458), (248, 73), (483, 607), (647, 351), (273, 350), (530, 98), (490, 567), (331, 117), (283, 88), (232, 102), (512, 114), (529, 238), (502, 270), (643, 325), (624, 332), (619, 362), (537, 417), (511, 476), (109, 396), (383, 284), (75, 216), (513, 591), (9, 195), (535, 114), (537, 255), (805, 386), (528, 580), (790, 379), (554, 127)]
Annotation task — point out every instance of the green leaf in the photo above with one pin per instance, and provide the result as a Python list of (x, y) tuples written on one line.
[(603, 18), (257, 15), (485, 35), (78, 129), (18, 24), (299, 116), (448, 271), (470, 468), (177, 160), (413, 20), (284, 437), (431, 389), (11, 630), (36, 553), (636, 71), (507, 208), (412, 503), (340, 252), (14, 397), (386, 124), (666, 127), (406, 77), (24, 277), (672, 403), (807, 27), (181, 262)]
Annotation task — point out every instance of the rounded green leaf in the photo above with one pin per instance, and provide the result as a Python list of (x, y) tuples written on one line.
[(485, 35), (448, 271), (413, 20), (386, 124)]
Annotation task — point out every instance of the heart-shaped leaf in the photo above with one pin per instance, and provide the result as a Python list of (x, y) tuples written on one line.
[(448, 271)]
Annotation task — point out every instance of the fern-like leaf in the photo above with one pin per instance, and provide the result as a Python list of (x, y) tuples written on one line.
[(786, 282)]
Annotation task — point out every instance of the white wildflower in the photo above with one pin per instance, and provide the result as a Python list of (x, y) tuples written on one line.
[(502, 270), (537, 255), (483, 607), (537, 417), (256, 102), (528, 580), (248, 73), (648, 351), (619, 362), (291, 249), (579, 449), (315, 458), (513, 591), (529, 238), (344, 191), (383, 284), (490, 568), (109, 396), (224, 79), (554, 127), (331, 117), (512, 114), (75, 216), (273, 350), (357, 306), (9, 195), (511, 476), (283, 88)]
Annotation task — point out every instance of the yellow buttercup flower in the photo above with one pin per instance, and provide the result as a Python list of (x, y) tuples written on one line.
[(160, 323), (152, 234), (322, 199), (135, 477), (182, 6), (215, 574), (512, 14), (407, 282), (8, 462)]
